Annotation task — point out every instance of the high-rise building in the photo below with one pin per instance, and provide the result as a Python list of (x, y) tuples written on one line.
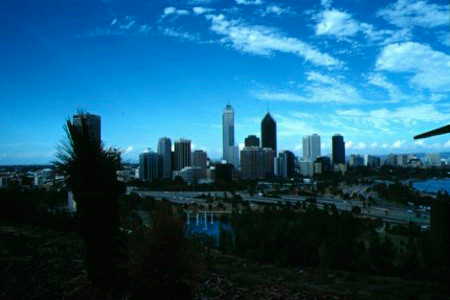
[(252, 163), (150, 166), (307, 168), (268, 162), (93, 123), (433, 159), (356, 160), (338, 149), (371, 161), (285, 164), (165, 151), (269, 133), (200, 160), (228, 135), (182, 154), (252, 141), (322, 164), (311, 147)]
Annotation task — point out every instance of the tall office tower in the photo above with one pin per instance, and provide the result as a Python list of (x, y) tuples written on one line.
[(199, 160), (252, 159), (268, 162), (311, 147), (371, 161), (228, 134), (269, 133), (289, 159), (338, 149), (150, 166), (165, 151), (252, 141), (356, 160), (182, 154), (93, 123)]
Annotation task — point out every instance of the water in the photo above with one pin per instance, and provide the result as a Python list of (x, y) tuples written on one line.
[(433, 185), (212, 230)]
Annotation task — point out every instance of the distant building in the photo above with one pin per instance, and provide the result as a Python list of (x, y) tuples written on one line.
[(356, 160), (223, 173), (307, 168), (311, 147), (93, 123), (252, 141), (402, 160), (165, 151), (191, 175), (268, 162), (390, 160), (3, 182), (252, 163), (433, 160), (200, 160), (372, 161), (150, 166), (182, 154), (285, 164), (338, 149), (269, 133), (229, 150), (322, 164)]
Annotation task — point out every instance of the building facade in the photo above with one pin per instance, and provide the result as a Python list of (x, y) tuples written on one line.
[(269, 133), (150, 166), (93, 123), (200, 160), (338, 149), (182, 154), (311, 147), (252, 160), (165, 151), (229, 149), (252, 141)]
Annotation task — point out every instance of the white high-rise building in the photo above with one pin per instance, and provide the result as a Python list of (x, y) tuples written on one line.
[(311, 147), (230, 152), (165, 151)]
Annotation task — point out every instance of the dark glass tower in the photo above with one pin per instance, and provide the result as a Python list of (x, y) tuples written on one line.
[(252, 141), (338, 149), (269, 133)]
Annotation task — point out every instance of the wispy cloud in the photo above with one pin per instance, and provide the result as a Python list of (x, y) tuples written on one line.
[(411, 13), (249, 2), (431, 68), (262, 40)]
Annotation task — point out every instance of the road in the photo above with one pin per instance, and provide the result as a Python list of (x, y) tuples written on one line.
[(389, 214)]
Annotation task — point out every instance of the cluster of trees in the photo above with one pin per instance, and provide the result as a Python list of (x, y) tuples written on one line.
[(400, 193), (328, 239)]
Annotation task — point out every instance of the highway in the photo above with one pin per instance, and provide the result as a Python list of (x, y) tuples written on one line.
[(388, 214)]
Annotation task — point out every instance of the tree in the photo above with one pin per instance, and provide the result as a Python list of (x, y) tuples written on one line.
[(90, 173)]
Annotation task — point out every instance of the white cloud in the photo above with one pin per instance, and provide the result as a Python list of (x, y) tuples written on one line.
[(447, 144), (337, 23), (249, 2), (170, 10), (398, 144), (198, 10), (263, 40), (410, 13), (394, 92), (176, 33), (342, 25), (326, 3), (320, 89), (430, 68), (444, 38), (275, 10)]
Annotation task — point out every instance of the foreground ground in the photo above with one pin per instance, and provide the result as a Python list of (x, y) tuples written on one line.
[(42, 264)]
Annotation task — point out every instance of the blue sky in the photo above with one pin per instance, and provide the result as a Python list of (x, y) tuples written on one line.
[(378, 72)]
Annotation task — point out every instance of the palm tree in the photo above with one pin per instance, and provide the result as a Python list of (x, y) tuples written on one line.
[(90, 173)]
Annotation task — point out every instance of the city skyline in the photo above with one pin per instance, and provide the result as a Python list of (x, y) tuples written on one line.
[(377, 73)]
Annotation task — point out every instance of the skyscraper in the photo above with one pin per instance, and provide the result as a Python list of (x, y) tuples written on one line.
[(199, 160), (165, 151), (252, 163), (338, 149), (311, 147), (182, 154), (269, 133), (93, 123), (150, 164), (228, 134), (252, 141), (285, 164)]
